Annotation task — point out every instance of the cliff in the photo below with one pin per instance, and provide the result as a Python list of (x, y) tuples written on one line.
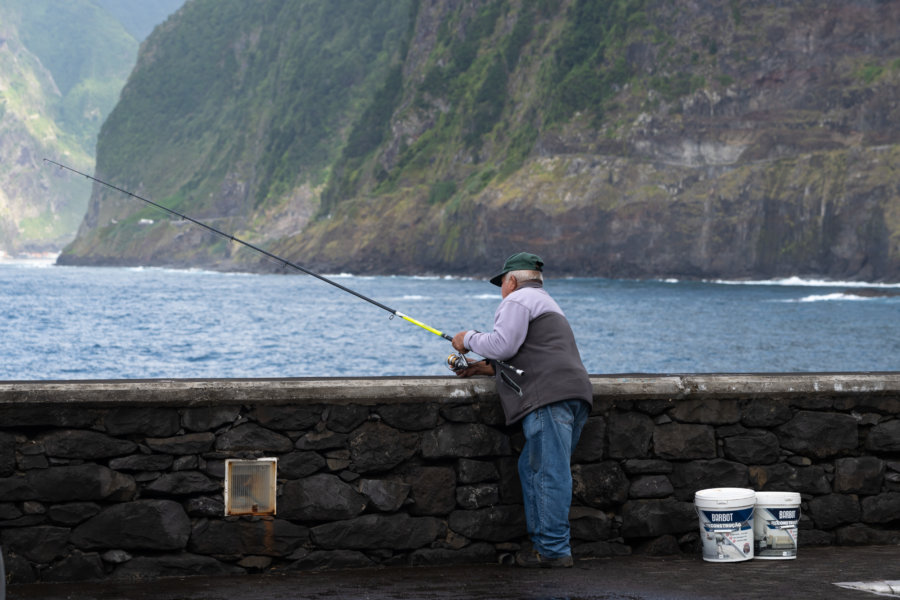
[(62, 64), (711, 138)]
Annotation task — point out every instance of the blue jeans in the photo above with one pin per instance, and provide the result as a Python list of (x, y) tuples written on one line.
[(551, 433)]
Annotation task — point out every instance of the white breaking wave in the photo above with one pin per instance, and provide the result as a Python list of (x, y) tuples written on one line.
[(189, 271), (347, 276), (35, 260), (801, 282), (829, 298)]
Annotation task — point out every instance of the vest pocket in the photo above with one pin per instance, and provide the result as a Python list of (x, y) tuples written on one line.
[(509, 381)]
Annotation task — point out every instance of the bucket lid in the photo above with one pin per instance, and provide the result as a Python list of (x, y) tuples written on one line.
[(725, 494), (791, 498)]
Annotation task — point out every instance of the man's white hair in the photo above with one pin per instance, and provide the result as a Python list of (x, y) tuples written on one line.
[(526, 275)]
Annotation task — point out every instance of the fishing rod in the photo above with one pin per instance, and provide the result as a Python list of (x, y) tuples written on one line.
[(455, 362)]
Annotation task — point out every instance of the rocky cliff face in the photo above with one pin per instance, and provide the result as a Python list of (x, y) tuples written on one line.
[(723, 139), (39, 209), (779, 160), (62, 65)]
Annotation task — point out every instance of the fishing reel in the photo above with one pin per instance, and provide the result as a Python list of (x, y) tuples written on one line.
[(457, 362)]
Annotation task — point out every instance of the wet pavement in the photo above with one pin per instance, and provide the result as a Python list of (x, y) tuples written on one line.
[(812, 575)]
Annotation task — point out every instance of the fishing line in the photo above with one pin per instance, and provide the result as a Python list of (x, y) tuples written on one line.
[(282, 261)]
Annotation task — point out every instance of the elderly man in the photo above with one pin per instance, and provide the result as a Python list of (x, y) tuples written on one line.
[(552, 398)]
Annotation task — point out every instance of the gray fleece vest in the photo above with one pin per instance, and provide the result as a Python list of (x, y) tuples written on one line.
[(553, 369)]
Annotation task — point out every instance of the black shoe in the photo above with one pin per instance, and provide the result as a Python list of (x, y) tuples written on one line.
[(533, 559)]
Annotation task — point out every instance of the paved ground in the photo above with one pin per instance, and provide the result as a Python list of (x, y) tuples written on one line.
[(812, 575)]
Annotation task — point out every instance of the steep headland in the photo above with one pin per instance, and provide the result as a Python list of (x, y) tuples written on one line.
[(632, 138)]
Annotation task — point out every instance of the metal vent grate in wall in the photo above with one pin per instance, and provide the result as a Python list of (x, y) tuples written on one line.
[(250, 486)]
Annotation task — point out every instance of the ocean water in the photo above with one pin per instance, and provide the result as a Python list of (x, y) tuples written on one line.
[(60, 323)]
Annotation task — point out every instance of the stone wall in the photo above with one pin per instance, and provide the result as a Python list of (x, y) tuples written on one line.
[(123, 479)]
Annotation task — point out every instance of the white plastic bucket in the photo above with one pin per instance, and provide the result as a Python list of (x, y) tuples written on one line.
[(726, 523), (775, 521)]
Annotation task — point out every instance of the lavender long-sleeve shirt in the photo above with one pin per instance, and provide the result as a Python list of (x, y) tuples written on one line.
[(511, 321)]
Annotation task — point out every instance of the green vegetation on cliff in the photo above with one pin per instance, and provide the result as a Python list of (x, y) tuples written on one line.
[(259, 92), (62, 66), (618, 137)]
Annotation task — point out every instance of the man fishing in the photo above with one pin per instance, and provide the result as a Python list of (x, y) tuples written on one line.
[(551, 395)]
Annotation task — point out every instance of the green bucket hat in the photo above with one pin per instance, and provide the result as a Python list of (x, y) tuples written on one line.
[(521, 261)]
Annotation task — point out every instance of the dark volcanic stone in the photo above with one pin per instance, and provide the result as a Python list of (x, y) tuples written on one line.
[(883, 508), (288, 418), (652, 518), (410, 417), (81, 482), (475, 471), (9, 511), (862, 475), (400, 532), (601, 485), (765, 412), (253, 438), (377, 447), (321, 440), (320, 497), (785, 477), (139, 525), (464, 440), (267, 537), (7, 454), (182, 483), (48, 415), (589, 524), (145, 568), (142, 462), (155, 422), (885, 437), (72, 513), (629, 435), (590, 444), (477, 553), (18, 568), (711, 412), (208, 418), (385, 494), (76, 443), (78, 566), (432, 490), (192, 443), (862, 535), (477, 496), (651, 486), (636, 466), (205, 506), (495, 524), (682, 442), (664, 545), (39, 544), (689, 477), (510, 486), (834, 509), (299, 464), (819, 434), (753, 448), (346, 418)]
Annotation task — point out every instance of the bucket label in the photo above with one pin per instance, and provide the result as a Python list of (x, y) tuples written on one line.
[(727, 535), (775, 532)]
